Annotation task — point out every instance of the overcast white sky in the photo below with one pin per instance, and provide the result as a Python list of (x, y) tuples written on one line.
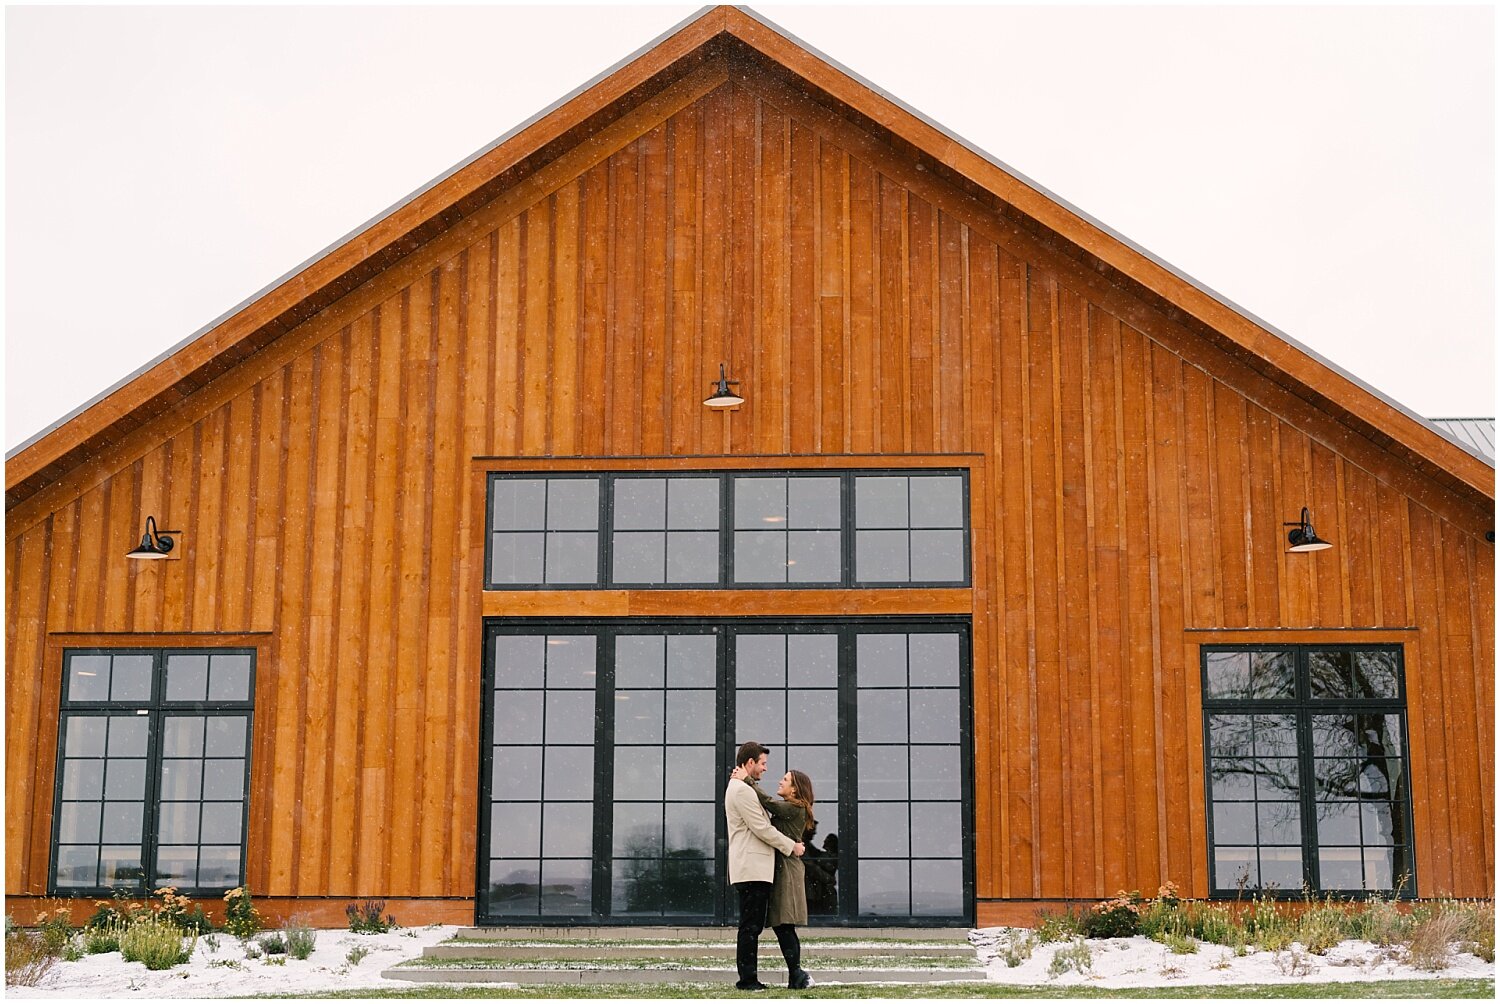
[(1331, 170)]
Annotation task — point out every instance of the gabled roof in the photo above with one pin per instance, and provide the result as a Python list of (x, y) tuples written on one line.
[(1477, 434), (121, 414)]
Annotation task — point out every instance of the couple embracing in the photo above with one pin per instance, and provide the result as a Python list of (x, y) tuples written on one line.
[(765, 862)]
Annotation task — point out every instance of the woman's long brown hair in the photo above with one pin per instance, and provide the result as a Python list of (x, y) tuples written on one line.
[(802, 794)]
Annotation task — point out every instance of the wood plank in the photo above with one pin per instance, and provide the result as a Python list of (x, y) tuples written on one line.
[(652, 406), (536, 325), (684, 368), (802, 387), (566, 301)]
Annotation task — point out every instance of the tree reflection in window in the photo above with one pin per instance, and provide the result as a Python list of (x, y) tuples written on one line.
[(1307, 769)]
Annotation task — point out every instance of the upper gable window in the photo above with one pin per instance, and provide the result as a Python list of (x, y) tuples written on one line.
[(716, 530)]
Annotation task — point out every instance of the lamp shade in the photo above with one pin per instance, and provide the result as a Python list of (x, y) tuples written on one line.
[(1302, 536), (719, 394), (154, 544)]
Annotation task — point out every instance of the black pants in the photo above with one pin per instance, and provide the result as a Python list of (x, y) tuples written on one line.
[(755, 900), (791, 950)]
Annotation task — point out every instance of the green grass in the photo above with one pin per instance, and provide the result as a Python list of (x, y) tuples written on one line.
[(1390, 989)]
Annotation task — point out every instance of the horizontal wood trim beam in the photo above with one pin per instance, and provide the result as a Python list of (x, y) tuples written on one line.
[(777, 462), (719, 603), (1301, 636)]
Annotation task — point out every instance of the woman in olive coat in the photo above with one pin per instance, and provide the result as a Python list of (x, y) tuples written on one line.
[(792, 815)]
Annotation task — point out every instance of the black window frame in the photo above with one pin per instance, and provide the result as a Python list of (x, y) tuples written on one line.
[(1302, 706), (846, 630), (606, 530), (156, 710)]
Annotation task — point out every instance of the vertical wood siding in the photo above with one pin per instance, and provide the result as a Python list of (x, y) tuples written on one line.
[(1133, 488)]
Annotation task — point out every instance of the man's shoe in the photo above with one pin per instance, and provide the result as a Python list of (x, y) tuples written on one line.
[(757, 985), (802, 981)]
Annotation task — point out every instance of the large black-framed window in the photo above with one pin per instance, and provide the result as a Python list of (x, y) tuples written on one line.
[(152, 770), (803, 529), (1308, 772), (670, 700)]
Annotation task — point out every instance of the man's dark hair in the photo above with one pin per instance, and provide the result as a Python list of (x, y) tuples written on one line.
[(747, 752)]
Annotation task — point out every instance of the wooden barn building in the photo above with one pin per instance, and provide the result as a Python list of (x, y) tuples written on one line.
[(470, 592)]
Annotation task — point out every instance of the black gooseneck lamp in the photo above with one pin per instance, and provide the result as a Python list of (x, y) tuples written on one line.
[(719, 395), (1302, 536), (155, 544)]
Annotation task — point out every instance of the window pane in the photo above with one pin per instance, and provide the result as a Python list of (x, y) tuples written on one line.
[(638, 773), (1277, 778), (568, 829), (573, 504), (571, 661), (224, 779), (516, 557), (937, 888), (693, 504), (687, 886), (883, 773), (814, 556), (515, 888), (692, 660), (640, 504), (690, 773), (569, 773), (130, 678), (83, 779), (567, 888), (1281, 868), (219, 867), (1232, 778), (517, 773), (639, 717), (937, 555), (1275, 735), (78, 823), (572, 558), (1330, 674), (937, 501), (760, 556), (181, 735), (693, 557), (1234, 823), (640, 557), (690, 716), (128, 736), (570, 716), (120, 866), (812, 661), (519, 660), (934, 660), (939, 830), (518, 504), (881, 660), (760, 660), (126, 779), (1249, 675), (935, 772), (518, 716), (177, 823), (187, 677), (1280, 822), (760, 715), (813, 503), (813, 716), (884, 888), (1375, 675), (88, 678), (229, 678), (224, 735), (821, 765), (1341, 868), (1236, 866), (881, 556), (884, 830), (77, 867), (690, 828), (638, 829), (181, 779), (637, 886), (934, 715), (882, 716), (221, 823), (759, 503), (515, 829), (640, 660), (880, 502)]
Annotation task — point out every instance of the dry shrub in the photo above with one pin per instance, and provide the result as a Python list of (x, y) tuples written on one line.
[(1431, 938), (28, 958), (1321, 927), (1478, 934)]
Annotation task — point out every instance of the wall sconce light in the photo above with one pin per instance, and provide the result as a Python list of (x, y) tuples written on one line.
[(1302, 537), (155, 544), (720, 396)]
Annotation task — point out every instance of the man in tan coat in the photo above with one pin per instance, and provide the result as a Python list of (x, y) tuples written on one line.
[(753, 844)]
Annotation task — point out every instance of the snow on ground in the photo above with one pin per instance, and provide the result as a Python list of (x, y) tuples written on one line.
[(1117, 963), (1140, 962), (208, 974)]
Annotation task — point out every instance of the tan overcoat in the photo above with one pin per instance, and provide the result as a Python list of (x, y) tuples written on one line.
[(753, 841)]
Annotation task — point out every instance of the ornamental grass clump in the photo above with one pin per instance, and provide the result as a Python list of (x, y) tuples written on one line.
[(156, 942), (1076, 957), (27, 956), (1063, 926), (99, 940), (1322, 926), (300, 939)]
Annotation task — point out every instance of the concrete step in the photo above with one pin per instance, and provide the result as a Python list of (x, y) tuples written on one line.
[(595, 976), (530, 933), (719, 949)]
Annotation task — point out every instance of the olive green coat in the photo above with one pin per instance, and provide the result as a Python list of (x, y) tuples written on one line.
[(789, 892)]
